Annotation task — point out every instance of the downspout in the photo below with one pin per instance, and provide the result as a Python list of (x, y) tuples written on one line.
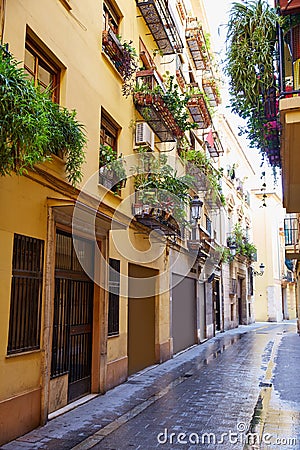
[(47, 318)]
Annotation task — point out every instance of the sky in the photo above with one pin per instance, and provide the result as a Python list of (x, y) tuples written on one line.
[(217, 12)]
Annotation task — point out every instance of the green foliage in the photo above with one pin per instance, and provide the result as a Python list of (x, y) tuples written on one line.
[(174, 100), (110, 161), (243, 246), (128, 68), (33, 127), (251, 37), (201, 161), (176, 103), (225, 254), (159, 183)]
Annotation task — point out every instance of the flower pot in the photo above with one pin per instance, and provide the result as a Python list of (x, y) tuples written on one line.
[(149, 99)]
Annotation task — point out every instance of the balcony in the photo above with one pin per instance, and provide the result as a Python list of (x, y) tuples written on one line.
[(291, 236), (289, 105), (197, 45), (154, 214), (289, 7), (114, 50), (211, 90), (180, 79), (213, 144), (199, 111), (149, 103), (200, 244), (161, 25)]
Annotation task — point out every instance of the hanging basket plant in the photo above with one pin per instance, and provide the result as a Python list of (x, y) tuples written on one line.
[(251, 37), (33, 128)]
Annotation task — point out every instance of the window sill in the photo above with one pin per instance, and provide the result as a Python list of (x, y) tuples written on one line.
[(28, 352), (66, 4), (113, 336)]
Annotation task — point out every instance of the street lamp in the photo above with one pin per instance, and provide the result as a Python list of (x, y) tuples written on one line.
[(196, 207), (261, 272)]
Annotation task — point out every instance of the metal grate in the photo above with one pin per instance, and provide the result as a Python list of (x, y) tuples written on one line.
[(114, 297), (159, 20), (26, 294), (291, 231), (73, 314)]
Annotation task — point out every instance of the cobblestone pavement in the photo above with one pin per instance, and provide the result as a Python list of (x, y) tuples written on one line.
[(243, 381)]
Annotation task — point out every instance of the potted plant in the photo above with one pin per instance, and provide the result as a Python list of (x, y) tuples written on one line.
[(165, 194), (33, 128), (112, 172)]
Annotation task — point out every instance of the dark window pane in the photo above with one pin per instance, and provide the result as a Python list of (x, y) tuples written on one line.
[(114, 296), (26, 294)]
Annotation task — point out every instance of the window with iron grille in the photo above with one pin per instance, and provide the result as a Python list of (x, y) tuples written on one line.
[(26, 294), (114, 296), (208, 225), (250, 281), (108, 137)]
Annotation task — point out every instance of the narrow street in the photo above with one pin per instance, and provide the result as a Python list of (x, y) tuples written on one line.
[(237, 390)]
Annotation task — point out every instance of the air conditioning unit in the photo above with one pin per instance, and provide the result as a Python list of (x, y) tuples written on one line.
[(144, 136)]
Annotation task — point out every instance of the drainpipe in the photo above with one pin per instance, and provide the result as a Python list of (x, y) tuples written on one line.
[(48, 318)]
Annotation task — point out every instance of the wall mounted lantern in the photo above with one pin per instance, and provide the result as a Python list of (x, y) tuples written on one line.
[(196, 208), (261, 272)]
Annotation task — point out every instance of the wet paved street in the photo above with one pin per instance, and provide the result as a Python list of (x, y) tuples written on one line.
[(243, 381)]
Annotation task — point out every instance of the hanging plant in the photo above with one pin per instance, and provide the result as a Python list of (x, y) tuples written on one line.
[(111, 167), (251, 38), (177, 104), (33, 128), (199, 160), (242, 245), (160, 187), (128, 68)]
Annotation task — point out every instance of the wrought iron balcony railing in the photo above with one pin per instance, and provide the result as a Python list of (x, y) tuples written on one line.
[(197, 45), (200, 243), (113, 49), (161, 25), (199, 111), (155, 215), (211, 90), (289, 48), (153, 109), (214, 145)]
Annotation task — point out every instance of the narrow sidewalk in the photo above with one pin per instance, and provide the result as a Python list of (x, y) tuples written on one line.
[(128, 399)]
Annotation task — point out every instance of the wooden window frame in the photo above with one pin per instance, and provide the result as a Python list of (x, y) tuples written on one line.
[(26, 295), (44, 61), (108, 129), (66, 4), (111, 17), (208, 225), (114, 298)]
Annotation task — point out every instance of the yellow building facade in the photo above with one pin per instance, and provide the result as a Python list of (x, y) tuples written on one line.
[(274, 291), (91, 284)]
